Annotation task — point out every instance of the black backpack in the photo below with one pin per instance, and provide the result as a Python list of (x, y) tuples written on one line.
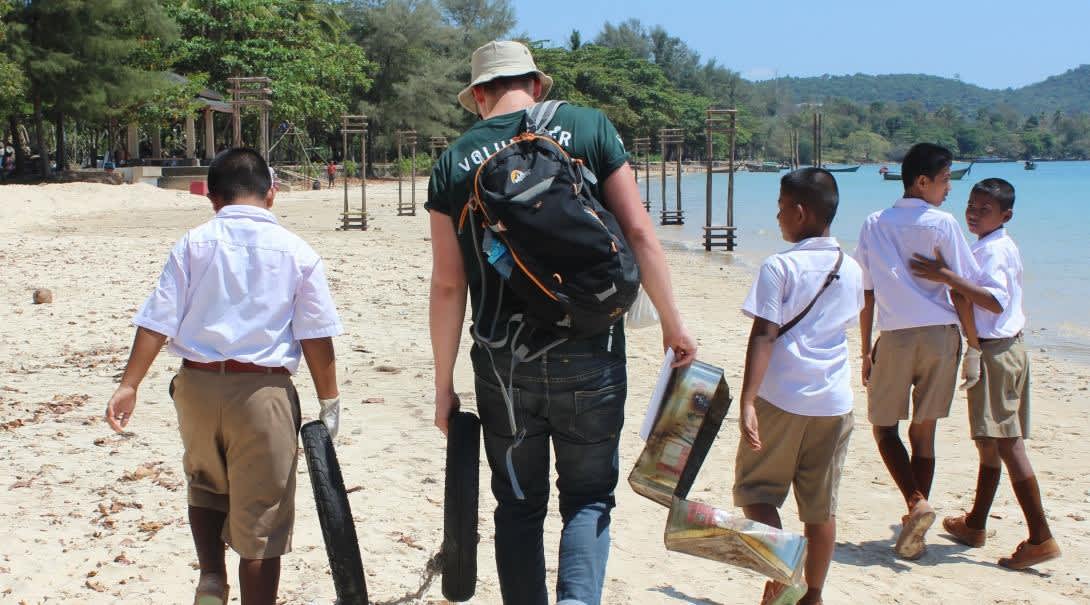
[(535, 222)]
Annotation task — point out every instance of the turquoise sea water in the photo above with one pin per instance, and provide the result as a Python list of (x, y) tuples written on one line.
[(1050, 226)]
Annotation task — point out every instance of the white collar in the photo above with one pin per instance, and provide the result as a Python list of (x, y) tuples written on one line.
[(998, 234), (245, 211), (816, 243), (911, 202)]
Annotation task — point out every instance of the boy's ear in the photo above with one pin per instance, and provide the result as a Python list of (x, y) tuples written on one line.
[(1008, 214), (270, 195)]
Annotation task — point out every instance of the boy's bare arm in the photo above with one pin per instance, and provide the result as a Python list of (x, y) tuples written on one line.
[(145, 347), (762, 337), (936, 270), (322, 363), (967, 318), (866, 329)]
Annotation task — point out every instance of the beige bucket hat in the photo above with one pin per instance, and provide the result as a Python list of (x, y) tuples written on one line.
[(501, 59)]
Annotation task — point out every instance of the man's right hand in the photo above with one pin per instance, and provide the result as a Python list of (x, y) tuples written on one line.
[(683, 344), (446, 405), (867, 366)]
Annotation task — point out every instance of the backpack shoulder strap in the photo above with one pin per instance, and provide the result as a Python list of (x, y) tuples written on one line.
[(829, 279), (539, 115)]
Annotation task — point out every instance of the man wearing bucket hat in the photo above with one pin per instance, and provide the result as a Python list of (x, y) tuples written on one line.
[(573, 394)]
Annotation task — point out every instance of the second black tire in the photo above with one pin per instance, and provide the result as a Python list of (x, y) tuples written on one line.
[(334, 515), (460, 507)]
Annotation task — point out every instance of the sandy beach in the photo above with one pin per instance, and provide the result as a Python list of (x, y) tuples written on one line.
[(88, 516)]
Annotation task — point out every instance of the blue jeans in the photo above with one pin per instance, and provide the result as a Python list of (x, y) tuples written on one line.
[(573, 395)]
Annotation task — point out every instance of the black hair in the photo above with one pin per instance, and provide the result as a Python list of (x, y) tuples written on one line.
[(924, 159), (814, 188), (238, 172), (999, 190)]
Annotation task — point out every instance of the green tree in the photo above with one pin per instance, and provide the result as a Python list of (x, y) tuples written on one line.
[(75, 56), (300, 44)]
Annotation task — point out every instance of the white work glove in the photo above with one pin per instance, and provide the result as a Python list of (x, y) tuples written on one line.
[(330, 415), (970, 368)]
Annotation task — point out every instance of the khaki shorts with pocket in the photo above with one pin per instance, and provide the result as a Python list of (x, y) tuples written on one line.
[(924, 361), (999, 403), (806, 452), (240, 436)]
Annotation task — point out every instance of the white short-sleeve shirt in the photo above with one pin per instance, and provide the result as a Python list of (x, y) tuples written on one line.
[(999, 259), (241, 287), (809, 373), (887, 242)]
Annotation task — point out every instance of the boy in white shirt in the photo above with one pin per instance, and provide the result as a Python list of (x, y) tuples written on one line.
[(919, 345), (796, 413), (241, 300), (999, 402)]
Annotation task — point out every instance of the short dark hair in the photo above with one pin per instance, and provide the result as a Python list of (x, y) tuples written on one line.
[(814, 188), (999, 190), (238, 172), (924, 159)]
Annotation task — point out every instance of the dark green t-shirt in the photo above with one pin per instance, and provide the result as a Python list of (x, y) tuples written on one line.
[(585, 133)]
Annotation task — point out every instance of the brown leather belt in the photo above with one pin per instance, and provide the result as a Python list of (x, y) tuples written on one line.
[(231, 366), (1015, 337)]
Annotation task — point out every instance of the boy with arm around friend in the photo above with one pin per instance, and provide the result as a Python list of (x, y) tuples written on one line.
[(241, 300), (796, 416), (999, 401), (916, 355)]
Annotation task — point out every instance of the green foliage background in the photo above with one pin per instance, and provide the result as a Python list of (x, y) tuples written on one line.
[(86, 68)]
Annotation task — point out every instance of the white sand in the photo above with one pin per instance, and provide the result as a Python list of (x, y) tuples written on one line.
[(73, 529)]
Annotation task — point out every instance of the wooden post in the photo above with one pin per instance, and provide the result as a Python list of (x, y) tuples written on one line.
[(344, 161), (236, 127), (720, 121), (190, 137), (209, 135), (132, 141), (355, 125), (263, 134), (156, 142)]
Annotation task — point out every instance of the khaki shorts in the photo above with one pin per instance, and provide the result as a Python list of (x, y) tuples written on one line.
[(806, 452), (999, 403), (240, 437), (922, 360)]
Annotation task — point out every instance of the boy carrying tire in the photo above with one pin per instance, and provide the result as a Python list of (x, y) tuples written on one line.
[(241, 300)]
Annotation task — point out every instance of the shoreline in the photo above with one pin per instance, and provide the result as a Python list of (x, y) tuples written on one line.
[(93, 517)]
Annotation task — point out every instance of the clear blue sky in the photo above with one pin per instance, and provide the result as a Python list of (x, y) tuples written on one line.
[(996, 44)]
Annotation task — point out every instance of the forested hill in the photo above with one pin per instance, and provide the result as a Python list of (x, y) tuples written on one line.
[(1068, 92)]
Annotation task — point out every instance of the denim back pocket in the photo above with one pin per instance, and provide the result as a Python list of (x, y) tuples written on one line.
[(599, 414)]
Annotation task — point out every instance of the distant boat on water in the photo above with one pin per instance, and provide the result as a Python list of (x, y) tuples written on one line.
[(763, 166), (1030, 165), (845, 168), (955, 175)]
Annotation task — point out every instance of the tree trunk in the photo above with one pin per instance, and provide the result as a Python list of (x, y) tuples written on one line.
[(17, 143), (62, 163), (39, 134)]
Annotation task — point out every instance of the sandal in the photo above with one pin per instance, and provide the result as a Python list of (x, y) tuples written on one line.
[(212, 589)]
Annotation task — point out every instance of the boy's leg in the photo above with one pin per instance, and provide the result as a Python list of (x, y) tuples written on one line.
[(259, 579), (817, 486), (987, 482), (1024, 482), (897, 462), (969, 528), (207, 527), (261, 420), (921, 436), (821, 541)]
